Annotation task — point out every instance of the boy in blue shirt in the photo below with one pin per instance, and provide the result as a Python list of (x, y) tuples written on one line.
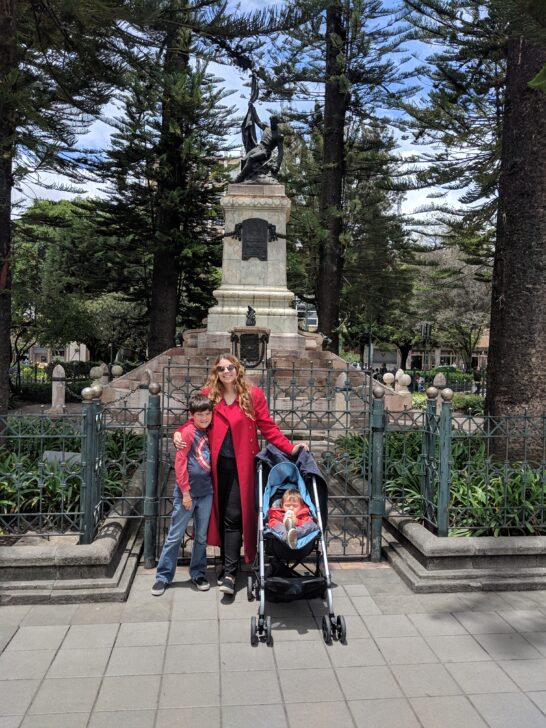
[(192, 497)]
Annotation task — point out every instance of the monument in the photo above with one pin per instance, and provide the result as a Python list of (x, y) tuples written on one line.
[(256, 211)]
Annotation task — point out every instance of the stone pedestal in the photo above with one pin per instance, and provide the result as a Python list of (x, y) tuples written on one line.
[(247, 278)]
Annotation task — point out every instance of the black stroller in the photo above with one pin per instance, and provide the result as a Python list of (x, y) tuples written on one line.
[(285, 577)]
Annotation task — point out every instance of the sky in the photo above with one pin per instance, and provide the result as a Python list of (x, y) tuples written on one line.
[(98, 135)]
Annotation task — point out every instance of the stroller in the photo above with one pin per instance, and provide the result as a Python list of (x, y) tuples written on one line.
[(286, 577)]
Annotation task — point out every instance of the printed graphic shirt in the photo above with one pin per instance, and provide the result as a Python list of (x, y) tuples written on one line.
[(192, 463)]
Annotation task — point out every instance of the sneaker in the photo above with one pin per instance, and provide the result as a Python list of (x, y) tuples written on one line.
[(289, 520), (228, 585), (221, 576), (158, 588), (292, 538), (200, 583)]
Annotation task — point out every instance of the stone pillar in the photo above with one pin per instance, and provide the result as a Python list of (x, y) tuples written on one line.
[(58, 391), (254, 274)]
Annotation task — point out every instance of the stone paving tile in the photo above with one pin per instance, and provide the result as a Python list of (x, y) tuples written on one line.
[(250, 688), (483, 622), (425, 680), (437, 624), (390, 625), (187, 691), (387, 587), (538, 640), (16, 695), (6, 633), (237, 656), (135, 634), (290, 611), (10, 721), (66, 695), (80, 663), (136, 660), (442, 603), (291, 629), (318, 715), (108, 613), (128, 692), (359, 683), (49, 614), (392, 713), (363, 606), (25, 664), (239, 610), (188, 610), (342, 605), (356, 590), (509, 710), (195, 632), (38, 638), (539, 699), (481, 677), (527, 674), (398, 604), (507, 646), (356, 629), (123, 719), (448, 712), (12, 616), (519, 600), (192, 658), (526, 620), (405, 650), (187, 718), (298, 685), (482, 601), (81, 636), (356, 653), (155, 611), (56, 720), (457, 648), (291, 655)]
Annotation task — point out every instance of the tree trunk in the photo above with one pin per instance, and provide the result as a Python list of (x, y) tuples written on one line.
[(8, 64), (516, 373), (165, 295), (336, 100), (404, 350)]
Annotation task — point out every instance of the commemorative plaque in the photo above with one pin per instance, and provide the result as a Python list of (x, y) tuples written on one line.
[(249, 347), (255, 236)]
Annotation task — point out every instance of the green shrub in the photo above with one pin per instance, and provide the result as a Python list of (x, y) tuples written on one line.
[(470, 404), (419, 401)]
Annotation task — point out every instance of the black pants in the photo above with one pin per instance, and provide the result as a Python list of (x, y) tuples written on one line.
[(231, 517)]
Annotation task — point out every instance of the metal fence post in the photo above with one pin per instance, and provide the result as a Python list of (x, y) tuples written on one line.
[(377, 497), (444, 480), (90, 446), (429, 447), (153, 426)]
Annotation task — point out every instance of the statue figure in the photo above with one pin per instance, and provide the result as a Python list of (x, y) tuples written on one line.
[(257, 161), (251, 317)]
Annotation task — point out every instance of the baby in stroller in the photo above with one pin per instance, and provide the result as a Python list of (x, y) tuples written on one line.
[(290, 518)]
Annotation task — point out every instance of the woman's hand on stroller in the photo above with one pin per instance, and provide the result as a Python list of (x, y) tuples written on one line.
[(178, 441), (297, 446)]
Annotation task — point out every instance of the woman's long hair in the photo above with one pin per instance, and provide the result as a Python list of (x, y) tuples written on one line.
[(216, 389)]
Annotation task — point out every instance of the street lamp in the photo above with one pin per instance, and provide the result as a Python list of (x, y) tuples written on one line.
[(426, 335)]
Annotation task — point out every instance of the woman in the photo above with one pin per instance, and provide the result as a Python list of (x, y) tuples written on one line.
[(240, 409)]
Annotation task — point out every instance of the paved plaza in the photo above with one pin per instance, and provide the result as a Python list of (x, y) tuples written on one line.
[(184, 659)]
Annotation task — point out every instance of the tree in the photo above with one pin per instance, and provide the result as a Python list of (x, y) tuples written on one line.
[(516, 374)]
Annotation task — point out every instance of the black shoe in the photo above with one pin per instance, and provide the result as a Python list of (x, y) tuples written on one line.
[(228, 585), (221, 576), (158, 588), (201, 583)]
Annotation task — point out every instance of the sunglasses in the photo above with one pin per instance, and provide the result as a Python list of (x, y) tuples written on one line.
[(229, 368)]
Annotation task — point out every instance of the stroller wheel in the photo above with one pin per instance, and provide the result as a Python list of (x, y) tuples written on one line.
[(268, 632), (253, 632), (341, 629), (326, 630), (250, 589)]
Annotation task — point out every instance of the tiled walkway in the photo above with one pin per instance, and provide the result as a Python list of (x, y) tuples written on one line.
[(184, 659)]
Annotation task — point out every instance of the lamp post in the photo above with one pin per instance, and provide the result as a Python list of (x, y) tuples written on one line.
[(426, 335)]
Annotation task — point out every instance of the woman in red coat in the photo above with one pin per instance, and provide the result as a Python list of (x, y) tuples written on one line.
[(240, 409)]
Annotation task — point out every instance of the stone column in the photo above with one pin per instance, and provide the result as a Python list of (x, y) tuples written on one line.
[(58, 391), (254, 282)]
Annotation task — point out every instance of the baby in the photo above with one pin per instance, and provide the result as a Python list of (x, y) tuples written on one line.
[(290, 518)]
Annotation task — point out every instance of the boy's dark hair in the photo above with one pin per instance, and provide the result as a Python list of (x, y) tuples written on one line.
[(199, 403)]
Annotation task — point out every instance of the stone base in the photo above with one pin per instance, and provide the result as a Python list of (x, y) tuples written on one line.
[(278, 343)]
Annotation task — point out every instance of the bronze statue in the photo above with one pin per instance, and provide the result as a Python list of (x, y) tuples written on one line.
[(257, 162), (251, 317)]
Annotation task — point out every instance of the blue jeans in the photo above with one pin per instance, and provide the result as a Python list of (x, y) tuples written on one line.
[(180, 517)]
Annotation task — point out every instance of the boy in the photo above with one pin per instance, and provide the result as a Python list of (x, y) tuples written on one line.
[(290, 518), (192, 497)]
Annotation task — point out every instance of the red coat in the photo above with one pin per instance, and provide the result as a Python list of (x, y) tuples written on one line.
[(246, 447), (301, 513)]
